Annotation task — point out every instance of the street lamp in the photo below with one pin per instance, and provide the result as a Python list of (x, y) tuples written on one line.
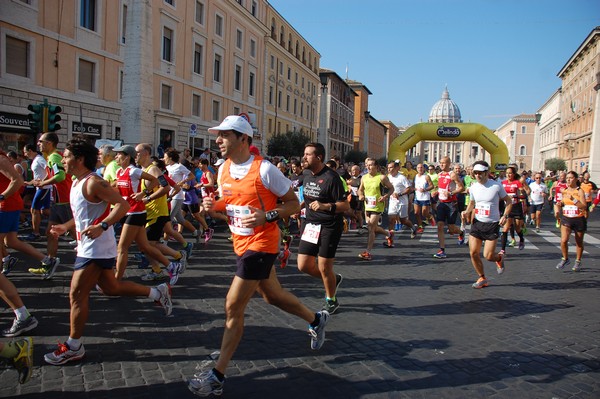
[(322, 131), (366, 146)]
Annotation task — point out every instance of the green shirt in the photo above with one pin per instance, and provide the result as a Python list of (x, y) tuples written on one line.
[(372, 187), (110, 171)]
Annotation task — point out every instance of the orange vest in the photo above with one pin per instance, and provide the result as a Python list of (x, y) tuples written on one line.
[(250, 191)]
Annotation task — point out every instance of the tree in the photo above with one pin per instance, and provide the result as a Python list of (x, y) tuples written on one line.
[(356, 157), (287, 145), (555, 164)]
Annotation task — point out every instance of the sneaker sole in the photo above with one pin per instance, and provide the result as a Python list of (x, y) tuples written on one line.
[(66, 360)]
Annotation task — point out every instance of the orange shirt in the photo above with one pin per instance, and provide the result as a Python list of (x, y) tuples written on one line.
[(570, 209), (238, 195)]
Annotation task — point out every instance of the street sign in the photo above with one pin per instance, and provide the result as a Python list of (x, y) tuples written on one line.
[(193, 130), (582, 164)]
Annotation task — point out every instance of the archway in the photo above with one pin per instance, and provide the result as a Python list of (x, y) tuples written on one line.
[(452, 132)]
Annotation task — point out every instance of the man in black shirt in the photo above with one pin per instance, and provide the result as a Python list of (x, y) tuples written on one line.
[(325, 203)]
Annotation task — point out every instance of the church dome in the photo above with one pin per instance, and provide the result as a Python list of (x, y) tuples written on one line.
[(445, 110)]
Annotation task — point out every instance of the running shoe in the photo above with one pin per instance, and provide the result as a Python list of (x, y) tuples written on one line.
[(205, 384), (413, 232), (153, 276), (317, 334), (230, 238), (338, 281), (64, 354), (195, 233), (165, 298), (174, 269), (183, 260), (461, 238), (23, 362), (537, 230), (346, 227), (563, 262), (144, 264), (432, 221), (7, 264), (577, 265), (25, 225), (558, 224), (365, 255), (420, 230), (512, 243), (46, 270), (524, 230), (500, 263), (20, 326), (362, 230), (283, 257), (208, 234), (390, 240), (331, 305), (189, 247), (480, 283), (32, 237), (521, 245), (440, 254)]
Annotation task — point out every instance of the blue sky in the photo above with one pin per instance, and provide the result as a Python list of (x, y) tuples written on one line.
[(498, 58)]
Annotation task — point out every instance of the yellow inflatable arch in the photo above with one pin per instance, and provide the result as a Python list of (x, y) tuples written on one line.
[(451, 132)]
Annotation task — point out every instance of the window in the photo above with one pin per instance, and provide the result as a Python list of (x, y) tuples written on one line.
[(254, 8), (279, 99), (270, 95), (287, 103), (216, 110), (171, 2), (238, 78), (217, 68), (272, 62), (523, 129), (522, 150), (165, 97), (200, 12), (124, 24), (302, 109), (88, 14), (121, 74), (289, 73), (237, 111), (251, 84), (281, 68), (198, 58), (239, 39), (167, 54), (196, 103), (18, 62), (252, 48), (86, 76), (219, 25)]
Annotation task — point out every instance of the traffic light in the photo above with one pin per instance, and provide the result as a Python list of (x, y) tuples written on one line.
[(36, 118), (53, 118)]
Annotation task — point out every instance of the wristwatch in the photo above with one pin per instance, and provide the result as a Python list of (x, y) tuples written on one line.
[(272, 216), (104, 226)]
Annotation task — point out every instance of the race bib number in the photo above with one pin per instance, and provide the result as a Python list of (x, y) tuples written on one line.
[(311, 233), (587, 196), (235, 213), (558, 197), (371, 201), (482, 210), (303, 213), (514, 198), (354, 191), (570, 211), (443, 194)]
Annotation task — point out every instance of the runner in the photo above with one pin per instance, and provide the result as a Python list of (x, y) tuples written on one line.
[(42, 198), (589, 188), (485, 197), (449, 185), (370, 192), (325, 201), (249, 188), (556, 194), (356, 207), (422, 202), (91, 198), (539, 192), (399, 200), (516, 190), (573, 208)]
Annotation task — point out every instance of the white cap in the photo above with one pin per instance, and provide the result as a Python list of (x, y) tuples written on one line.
[(233, 122), (219, 162), (480, 168)]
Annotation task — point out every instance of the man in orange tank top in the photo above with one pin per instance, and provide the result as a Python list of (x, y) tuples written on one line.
[(249, 189)]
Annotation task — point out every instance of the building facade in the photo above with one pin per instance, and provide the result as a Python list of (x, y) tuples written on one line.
[(579, 144), (336, 114), (547, 134), (157, 71), (518, 134)]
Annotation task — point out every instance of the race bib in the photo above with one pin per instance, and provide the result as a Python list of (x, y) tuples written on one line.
[(558, 197), (235, 213), (482, 209), (443, 194), (587, 196), (303, 213), (354, 191), (371, 201), (311, 233), (514, 198), (570, 211)]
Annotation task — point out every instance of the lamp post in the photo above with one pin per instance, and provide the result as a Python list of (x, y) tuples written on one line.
[(322, 131), (366, 146), (513, 146)]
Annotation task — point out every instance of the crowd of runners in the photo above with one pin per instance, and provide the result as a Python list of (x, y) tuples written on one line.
[(109, 198)]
